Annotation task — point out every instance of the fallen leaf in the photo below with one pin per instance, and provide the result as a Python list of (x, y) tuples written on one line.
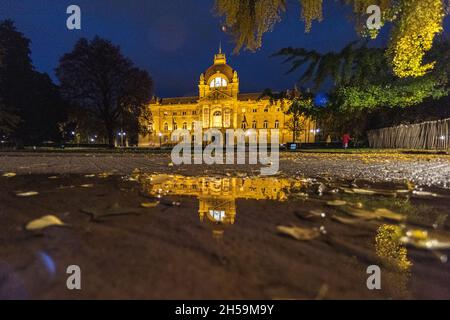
[(349, 221), (87, 186), (149, 204), (27, 194), (44, 222), (301, 234), (363, 191), (388, 214), (425, 194), (336, 203), (89, 176), (9, 174)]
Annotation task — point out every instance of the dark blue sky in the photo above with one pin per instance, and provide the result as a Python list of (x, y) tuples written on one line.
[(175, 40)]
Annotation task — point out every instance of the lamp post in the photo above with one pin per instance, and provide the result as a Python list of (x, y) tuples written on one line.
[(160, 137)]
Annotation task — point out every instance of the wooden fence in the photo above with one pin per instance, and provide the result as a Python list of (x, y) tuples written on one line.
[(432, 135)]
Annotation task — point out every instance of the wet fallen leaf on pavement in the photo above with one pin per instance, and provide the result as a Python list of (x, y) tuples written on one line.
[(44, 222), (425, 194), (87, 185), (336, 203), (27, 194), (9, 174), (301, 234), (149, 204), (371, 215), (388, 214), (349, 221)]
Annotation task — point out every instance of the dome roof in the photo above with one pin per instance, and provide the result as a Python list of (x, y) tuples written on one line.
[(222, 68), (220, 65)]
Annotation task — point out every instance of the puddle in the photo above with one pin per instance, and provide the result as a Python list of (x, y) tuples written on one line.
[(225, 237)]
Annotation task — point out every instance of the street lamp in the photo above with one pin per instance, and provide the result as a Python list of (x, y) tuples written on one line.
[(160, 137)]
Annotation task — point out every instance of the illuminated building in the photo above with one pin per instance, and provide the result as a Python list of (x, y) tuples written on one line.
[(220, 105)]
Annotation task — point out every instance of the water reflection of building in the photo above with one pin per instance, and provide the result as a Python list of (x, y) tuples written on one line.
[(217, 196)]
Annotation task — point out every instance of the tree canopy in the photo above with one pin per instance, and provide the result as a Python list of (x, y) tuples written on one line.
[(362, 79), (30, 104), (415, 23), (98, 79)]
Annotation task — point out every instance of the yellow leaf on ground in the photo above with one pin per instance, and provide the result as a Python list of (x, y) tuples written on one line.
[(44, 222), (27, 194), (149, 204), (9, 174), (337, 203), (301, 234)]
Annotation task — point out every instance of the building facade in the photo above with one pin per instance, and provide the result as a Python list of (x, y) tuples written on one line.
[(220, 105)]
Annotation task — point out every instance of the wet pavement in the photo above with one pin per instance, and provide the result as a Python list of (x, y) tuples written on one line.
[(429, 170), (218, 235)]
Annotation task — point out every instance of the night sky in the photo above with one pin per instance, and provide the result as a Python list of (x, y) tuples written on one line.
[(175, 40)]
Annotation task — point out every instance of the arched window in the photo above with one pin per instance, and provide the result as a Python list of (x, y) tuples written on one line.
[(175, 126), (277, 124), (244, 125), (266, 124), (218, 82), (166, 127), (254, 124), (217, 119), (184, 125)]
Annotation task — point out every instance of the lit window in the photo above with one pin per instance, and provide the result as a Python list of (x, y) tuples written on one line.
[(254, 124), (218, 82), (217, 215), (266, 124)]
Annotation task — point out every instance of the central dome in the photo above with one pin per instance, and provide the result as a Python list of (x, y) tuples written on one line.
[(224, 69), (219, 66)]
